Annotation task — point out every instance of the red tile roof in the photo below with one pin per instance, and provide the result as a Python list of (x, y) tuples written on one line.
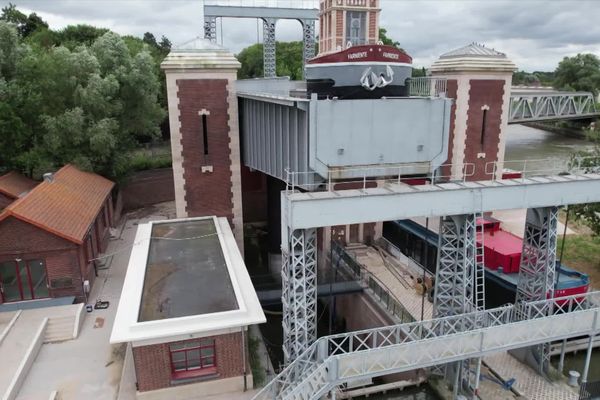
[(14, 184), (67, 206)]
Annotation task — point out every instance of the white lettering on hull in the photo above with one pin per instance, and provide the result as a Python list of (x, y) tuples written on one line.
[(354, 56)]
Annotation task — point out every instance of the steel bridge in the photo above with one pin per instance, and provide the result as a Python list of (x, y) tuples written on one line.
[(333, 360), (531, 106), (269, 12)]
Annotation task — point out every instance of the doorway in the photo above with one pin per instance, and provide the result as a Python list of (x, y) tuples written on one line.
[(23, 280)]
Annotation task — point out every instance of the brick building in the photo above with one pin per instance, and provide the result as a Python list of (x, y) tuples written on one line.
[(49, 235), (186, 304), (12, 186)]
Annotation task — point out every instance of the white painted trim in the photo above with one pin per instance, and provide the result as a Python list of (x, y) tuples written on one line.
[(79, 317), (9, 326), (126, 327), (30, 355), (351, 63), (460, 125), (176, 146), (504, 124)]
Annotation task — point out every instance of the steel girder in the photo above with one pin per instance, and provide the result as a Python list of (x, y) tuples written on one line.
[(308, 36), (347, 357), (537, 272), (210, 28), (456, 269), (299, 293), (527, 107), (269, 60)]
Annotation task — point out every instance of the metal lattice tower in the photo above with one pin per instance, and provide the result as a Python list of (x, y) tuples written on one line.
[(299, 293), (210, 29), (454, 281), (308, 34), (270, 62), (537, 273)]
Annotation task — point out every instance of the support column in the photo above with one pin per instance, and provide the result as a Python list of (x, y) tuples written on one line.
[(210, 29), (269, 60), (537, 272), (299, 292), (454, 280), (308, 39)]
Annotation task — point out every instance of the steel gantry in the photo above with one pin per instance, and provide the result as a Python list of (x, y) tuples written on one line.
[(526, 106), (303, 13), (347, 357), (302, 213)]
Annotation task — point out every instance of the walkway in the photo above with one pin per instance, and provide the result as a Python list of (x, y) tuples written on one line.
[(529, 383), (89, 367), (399, 282)]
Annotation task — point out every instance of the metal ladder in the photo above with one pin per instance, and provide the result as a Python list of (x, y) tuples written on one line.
[(479, 273)]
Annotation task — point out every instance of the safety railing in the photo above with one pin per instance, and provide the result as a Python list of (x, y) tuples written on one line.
[(428, 87), (544, 167), (312, 371), (378, 288), (369, 177)]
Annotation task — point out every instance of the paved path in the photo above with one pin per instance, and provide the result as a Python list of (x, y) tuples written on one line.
[(529, 383), (88, 367)]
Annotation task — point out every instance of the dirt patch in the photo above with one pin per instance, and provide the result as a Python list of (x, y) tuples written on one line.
[(166, 209)]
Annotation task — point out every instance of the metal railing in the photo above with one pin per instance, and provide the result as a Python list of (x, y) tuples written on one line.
[(368, 177), (334, 359), (545, 167), (379, 290), (427, 86)]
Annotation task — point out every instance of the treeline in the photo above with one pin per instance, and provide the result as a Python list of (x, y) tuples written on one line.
[(81, 95)]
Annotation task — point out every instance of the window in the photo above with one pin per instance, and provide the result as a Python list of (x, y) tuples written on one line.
[(356, 22), (193, 358), (205, 134), (483, 123)]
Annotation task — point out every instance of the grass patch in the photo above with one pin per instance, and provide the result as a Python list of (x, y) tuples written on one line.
[(582, 252), (258, 372), (141, 161)]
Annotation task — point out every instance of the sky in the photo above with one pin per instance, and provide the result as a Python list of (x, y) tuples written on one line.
[(536, 35)]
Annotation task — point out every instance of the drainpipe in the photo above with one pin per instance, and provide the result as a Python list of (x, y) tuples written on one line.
[(244, 359)]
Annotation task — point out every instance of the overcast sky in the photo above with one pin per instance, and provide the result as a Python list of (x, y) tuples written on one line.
[(536, 35)]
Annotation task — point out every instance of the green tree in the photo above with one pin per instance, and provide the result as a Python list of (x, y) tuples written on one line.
[(26, 24), (580, 73), (88, 105), (383, 37), (150, 39), (289, 60)]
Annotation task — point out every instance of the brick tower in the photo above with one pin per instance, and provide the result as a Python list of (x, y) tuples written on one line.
[(203, 118), (347, 21), (479, 78)]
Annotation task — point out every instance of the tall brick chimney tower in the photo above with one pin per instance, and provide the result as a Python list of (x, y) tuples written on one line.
[(347, 21), (203, 118), (480, 79)]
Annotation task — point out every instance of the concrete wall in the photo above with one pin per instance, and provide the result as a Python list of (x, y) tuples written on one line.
[(145, 188)]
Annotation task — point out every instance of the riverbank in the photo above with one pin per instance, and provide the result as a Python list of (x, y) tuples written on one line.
[(576, 133)]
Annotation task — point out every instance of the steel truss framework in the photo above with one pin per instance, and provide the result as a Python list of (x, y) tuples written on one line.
[(337, 359), (528, 107), (299, 293), (460, 283), (269, 16), (537, 272)]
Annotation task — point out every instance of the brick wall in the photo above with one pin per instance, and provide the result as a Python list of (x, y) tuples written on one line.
[(145, 188), (153, 362), (339, 28), (207, 193), (19, 239), (488, 94)]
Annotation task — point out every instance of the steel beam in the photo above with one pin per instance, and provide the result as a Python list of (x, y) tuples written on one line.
[(299, 13), (210, 28), (269, 58), (398, 201), (299, 292), (308, 39)]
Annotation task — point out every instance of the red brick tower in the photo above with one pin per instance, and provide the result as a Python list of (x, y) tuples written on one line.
[(344, 21), (203, 117), (479, 78)]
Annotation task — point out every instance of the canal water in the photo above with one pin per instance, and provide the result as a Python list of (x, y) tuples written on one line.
[(524, 143)]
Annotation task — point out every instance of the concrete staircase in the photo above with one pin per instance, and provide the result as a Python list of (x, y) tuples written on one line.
[(23, 336)]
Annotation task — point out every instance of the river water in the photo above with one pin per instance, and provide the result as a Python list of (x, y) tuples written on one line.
[(524, 143)]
